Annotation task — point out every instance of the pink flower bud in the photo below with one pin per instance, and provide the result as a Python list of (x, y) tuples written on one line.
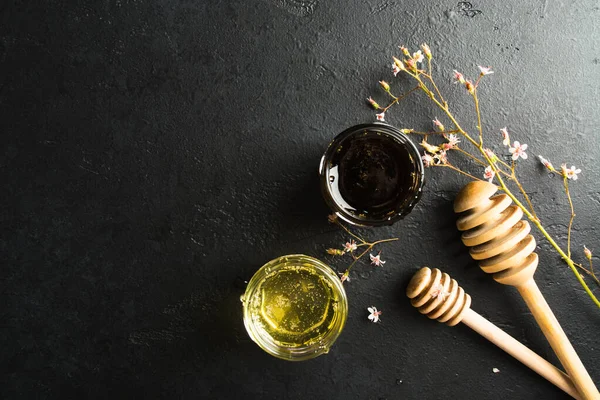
[(426, 50), (385, 85), (587, 252), (405, 51), (470, 87), (373, 103)]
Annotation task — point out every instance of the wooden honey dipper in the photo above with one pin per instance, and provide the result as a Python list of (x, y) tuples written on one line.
[(501, 242), (439, 297)]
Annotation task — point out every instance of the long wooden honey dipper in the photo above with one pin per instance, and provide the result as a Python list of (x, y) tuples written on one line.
[(501, 242), (439, 297)]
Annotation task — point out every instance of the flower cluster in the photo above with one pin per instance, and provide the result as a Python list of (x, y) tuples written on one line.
[(351, 246), (502, 170)]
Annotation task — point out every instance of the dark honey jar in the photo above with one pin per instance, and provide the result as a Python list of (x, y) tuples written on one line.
[(371, 175)]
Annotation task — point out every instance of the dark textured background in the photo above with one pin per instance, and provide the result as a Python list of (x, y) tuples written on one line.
[(154, 152)]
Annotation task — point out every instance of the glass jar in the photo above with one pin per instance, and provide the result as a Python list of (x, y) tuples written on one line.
[(371, 175), (295, 307)]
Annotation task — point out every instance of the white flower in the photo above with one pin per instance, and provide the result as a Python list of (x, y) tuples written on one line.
[(439, 292), (488, 173), (485, 70), (344, 276), (505, 138), (546, 163), (453, 140), (570, 173), (518, 150), (376, 260), (350, 246), (459, 77), (418, 56), (428, 160), (441, 157), (374, 314), (380, 116), (495, 370), (395, 69)]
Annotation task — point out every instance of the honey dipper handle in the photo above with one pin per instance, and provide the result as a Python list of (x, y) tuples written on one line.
[(519, 351), (558, 339)]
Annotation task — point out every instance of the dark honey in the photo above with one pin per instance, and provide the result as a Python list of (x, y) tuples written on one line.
[(372, 175)]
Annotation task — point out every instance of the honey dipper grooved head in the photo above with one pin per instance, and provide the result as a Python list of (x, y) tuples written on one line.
[(438, 296), (494, 231)]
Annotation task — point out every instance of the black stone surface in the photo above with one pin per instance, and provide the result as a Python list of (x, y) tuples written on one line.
[(156, 153)]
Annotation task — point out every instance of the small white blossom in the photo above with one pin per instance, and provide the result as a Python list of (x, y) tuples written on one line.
[(350, 246), (505, 138), (518, 150), (418, 56), (489, 173), (453, 140), (344, 276), (376, 260), (570, 173), (485, 70), (395, 69), (380, 116), (495, 370), (374, 314), (428, 160)]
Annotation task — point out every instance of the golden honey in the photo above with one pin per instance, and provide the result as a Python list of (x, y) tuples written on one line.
[(295, 307)]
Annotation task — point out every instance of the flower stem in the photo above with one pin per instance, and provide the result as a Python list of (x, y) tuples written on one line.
[(566, 184)]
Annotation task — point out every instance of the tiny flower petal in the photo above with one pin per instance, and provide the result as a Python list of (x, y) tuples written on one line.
[(380, 116), (439, 292), (495, 370), (395, 69), (570, 173), (459, 77), (485, 70), (376, 260), (428, 160), (418, 57), (518, 150), (373, 314), (350, 246), (505, 137), (489, 173), (344, 276), (453, 140)]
